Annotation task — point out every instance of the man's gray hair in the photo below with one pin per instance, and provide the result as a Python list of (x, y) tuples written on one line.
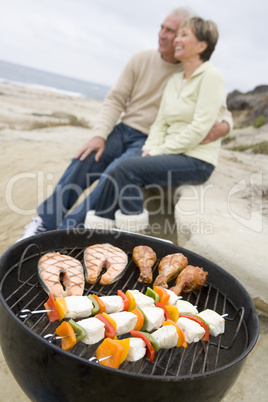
[(188, 12)]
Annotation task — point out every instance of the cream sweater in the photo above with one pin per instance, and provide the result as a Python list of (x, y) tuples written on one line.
[(136, 94), (186, 114)]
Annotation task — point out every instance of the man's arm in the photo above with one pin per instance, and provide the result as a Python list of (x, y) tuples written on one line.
[(111, 110), (94, 144), (220, 130)]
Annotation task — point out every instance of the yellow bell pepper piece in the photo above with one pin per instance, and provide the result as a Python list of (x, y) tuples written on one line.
[(140, 317), (61, 306), (173, 312), (132, 302), (112, 321), (125, 344)]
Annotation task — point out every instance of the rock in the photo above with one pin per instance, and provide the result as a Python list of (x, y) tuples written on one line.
[(253, 104), (259, 90)]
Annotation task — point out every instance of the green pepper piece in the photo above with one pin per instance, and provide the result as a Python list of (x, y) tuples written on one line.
[(151, 293), (80, 332), (150, 352), (96, 307), (145, 321), (152, 340), (202, 320)]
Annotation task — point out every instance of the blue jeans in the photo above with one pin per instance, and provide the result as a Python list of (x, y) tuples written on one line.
[(123, 143), (124, 189)]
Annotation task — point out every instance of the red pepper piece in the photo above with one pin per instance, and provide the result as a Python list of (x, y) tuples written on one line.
[(166, 313), (110, 331), (150, 352), (54, 314), (200, 322), (125, 299)]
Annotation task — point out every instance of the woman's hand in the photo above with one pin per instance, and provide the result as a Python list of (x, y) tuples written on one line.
[(146, 152)]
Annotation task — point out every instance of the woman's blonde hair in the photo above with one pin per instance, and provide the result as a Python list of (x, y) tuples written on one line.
[(204, 30)]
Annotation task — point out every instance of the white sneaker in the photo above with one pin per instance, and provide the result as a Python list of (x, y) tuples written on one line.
[(132, 223), (93, 221), (33, 228)]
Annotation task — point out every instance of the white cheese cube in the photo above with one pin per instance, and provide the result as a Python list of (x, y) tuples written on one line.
[(94, 328), (141, 299), (78, 307), (125, 322), (166, 337), (155, 317), (193, 332), (214, 320), (185, 307), (113, 304), (137, 349)]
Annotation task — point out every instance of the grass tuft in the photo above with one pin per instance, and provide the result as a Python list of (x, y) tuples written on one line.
[(259, 148), (260, 121), (70, 120)]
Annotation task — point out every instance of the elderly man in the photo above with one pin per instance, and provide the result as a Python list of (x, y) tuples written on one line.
[(134, 101)]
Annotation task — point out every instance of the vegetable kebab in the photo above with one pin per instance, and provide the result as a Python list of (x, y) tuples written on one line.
[(135, 313)]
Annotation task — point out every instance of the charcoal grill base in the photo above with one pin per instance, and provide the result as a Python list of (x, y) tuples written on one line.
[(45, 372), (42, 375)]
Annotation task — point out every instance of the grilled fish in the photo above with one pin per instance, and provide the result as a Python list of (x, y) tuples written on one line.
[(145, 258), (169, 268), (101, 256), (166, 337), (61, 275), (137, 349)]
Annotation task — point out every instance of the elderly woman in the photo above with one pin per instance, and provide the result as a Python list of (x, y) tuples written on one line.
[(173, 154)]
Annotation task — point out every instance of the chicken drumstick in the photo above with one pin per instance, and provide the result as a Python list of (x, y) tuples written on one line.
[(145, 258), (189, 279), (169, 267)]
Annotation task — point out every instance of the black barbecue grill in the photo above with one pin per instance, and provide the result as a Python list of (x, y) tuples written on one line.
[(205, 370)]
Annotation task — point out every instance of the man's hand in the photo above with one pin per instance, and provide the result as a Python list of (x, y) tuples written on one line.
[(94, 144), (218, 130)]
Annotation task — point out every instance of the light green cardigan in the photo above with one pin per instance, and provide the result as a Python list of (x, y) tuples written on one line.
[(187, 113)]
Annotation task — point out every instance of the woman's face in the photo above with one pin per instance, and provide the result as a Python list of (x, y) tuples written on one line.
[(186, 44)]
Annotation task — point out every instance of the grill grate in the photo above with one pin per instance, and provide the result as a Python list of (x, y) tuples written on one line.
[(21, 290)]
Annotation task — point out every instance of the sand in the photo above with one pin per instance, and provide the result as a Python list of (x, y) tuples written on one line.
[(32, 160)]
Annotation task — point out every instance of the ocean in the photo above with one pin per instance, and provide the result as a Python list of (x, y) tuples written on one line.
[(18, 74)]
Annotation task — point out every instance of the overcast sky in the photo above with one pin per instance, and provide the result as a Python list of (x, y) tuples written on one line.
[(93, 39)]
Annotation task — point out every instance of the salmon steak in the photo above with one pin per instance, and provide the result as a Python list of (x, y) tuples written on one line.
[(100, 256), (61, 275)]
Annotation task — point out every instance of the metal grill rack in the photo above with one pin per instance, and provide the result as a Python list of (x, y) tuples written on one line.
[(21, 289)]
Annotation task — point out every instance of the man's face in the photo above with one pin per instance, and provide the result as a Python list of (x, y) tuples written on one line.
[(167, 35)]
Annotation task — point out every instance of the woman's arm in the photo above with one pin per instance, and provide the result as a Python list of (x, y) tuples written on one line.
[(211, 99)]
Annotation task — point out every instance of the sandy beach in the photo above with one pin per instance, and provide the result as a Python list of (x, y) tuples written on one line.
[(40, 131), (37, 145)]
